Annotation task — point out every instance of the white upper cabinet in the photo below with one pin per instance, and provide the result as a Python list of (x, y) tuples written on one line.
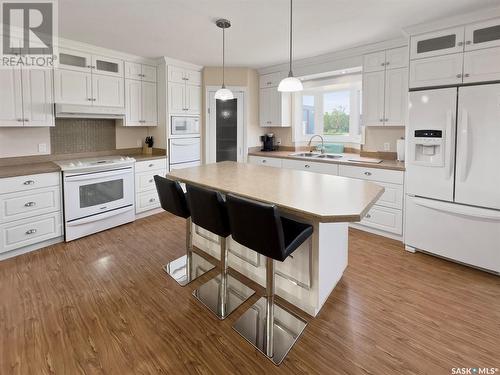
[(140, 72), (385, 87), (26, 97), (374, 62), (11, 97), (75, 60), (437, 43), (141, 106), (436, 71), (274, 108), (107, 91), (38, 103), (73, 87), (482, 35), (184, 91), (107, 66), (396, 96), (396, 58), (482, 65), (149, 104), (373, 98)]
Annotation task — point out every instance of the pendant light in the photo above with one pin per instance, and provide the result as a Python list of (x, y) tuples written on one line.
[(290, 83), (223, 93)]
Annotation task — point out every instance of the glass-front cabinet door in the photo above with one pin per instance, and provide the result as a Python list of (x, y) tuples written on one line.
[(437, 43), (107, 66), (482, 35), (75, 60)]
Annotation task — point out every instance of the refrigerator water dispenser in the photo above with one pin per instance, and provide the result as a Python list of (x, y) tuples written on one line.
[(428, 147)]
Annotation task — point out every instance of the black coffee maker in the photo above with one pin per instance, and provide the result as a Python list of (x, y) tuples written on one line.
[(268, 142)]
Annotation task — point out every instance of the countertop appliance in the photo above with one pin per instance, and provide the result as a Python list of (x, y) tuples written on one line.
[(184, 126), (98, 194), (268, 142), (453, 175)]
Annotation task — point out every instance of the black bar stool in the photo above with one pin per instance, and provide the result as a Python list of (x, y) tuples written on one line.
[(190, 266), (222, 294), (270, 328)]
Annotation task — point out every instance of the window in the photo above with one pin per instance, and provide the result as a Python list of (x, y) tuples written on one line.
[(331, 108)]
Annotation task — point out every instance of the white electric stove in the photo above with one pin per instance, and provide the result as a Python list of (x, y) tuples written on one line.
[(98, 194)]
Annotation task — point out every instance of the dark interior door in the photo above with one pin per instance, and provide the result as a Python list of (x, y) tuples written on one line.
[(226, 130)]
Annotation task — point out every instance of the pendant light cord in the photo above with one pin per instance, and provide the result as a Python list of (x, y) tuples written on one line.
[(223, 55), (290, 74)]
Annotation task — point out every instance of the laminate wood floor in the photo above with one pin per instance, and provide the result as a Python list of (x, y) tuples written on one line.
[(103, 305)]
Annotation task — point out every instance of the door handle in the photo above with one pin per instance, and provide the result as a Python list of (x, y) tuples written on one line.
[(448, 135), (465, 145)]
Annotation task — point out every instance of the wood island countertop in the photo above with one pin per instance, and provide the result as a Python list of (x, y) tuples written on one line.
[(314, 196)]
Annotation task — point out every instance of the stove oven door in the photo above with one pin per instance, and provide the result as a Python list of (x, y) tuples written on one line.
[(93, 193)]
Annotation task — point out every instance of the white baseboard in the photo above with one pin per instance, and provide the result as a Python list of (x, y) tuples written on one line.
[(29, 248), (149, 213)]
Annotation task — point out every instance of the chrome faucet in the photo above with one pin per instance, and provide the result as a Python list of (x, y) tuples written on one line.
[(322, 149)]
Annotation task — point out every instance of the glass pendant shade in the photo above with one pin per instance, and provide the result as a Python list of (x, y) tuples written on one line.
[(290, 84), (224, 94)]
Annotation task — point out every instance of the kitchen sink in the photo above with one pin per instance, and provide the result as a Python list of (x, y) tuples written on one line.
[(316, 155)]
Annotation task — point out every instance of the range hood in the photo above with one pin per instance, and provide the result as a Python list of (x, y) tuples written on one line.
[(85, 111)]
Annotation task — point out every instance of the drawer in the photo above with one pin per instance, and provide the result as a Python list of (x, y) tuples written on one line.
[(144, 181), (270, 162), (34, 181), (146, 201), (372, 174), (150, 165), (392, 197), (305, 165), (384, 218), (26, 232), (15, 206)]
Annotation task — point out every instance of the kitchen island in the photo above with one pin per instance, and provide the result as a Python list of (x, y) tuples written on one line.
[(329, 203)]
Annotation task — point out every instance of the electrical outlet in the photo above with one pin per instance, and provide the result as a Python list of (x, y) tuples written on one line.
[(278, 141), (387, 146), (139, 142), (42, 147)]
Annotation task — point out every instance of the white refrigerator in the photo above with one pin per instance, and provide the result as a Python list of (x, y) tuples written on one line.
[(453, 174)]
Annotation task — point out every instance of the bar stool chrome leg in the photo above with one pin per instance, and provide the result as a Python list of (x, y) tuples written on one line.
[(190, 266), (223, 294), (270, 328)]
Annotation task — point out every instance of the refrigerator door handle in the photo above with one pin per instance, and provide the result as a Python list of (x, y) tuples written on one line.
[(464, 157), (449, 136), (453, 208)]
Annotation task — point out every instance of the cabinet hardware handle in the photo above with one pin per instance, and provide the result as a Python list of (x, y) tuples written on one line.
[(94, 99), (30, 204), (29, 182), (20, 120), (89, 99), (368, 173), (31, 231), (460, 44), (93, 66), (307, 166), (468, 42), (386, 63), (466, 75), (459, 75), (368, 216), (383, 64), (89, 66), (264, 161), (381, 120), (151, 165), (152, 199), (386, 119), (150, 181), (26, 119), (268, 83)]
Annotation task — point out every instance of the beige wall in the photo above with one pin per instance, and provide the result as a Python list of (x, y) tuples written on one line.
[(23, 141), (127, 137), (375, 137)]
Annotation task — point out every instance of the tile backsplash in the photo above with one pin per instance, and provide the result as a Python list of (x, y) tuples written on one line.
[(82, 135)]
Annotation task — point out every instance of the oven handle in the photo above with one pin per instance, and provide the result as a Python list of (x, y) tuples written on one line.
[(100, 216), (94, 175)]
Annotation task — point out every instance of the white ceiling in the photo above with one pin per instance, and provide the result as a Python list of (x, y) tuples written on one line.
[(185, 30)]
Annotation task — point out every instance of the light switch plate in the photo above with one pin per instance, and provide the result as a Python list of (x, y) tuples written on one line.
[(387, 146), (42, 147)]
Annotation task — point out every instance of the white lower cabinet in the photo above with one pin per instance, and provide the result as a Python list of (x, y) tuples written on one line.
[(30, 210), (308, 166), (268, 162), (146, 197), (386, 219)]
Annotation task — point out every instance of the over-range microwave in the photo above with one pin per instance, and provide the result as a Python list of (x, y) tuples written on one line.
[(185, 125)]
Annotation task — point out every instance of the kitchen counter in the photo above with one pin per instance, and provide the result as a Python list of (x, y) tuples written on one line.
[(327, 202), (385, 164), (21, 166)]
